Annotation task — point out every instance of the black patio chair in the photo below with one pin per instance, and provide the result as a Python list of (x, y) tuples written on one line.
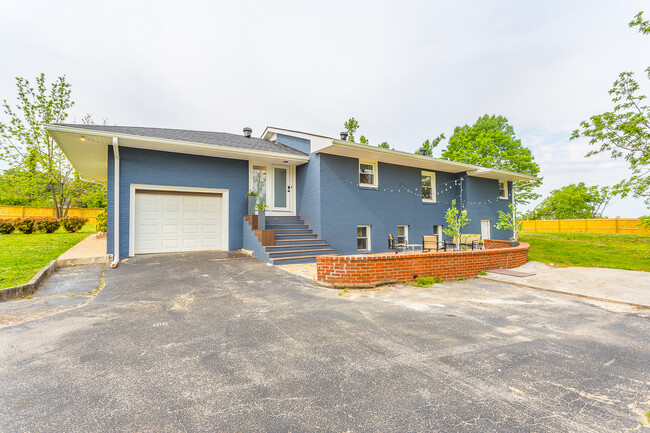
[(392, 245)]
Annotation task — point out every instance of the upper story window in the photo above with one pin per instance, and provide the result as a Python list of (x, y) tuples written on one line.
[(503, 189), (368, 174), (428, 187)]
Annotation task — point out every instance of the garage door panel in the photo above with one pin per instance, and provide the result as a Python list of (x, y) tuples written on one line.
[(170, 229), (209, 228), (170, 223)]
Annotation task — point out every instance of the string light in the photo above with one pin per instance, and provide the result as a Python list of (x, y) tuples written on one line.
[(441, 189)]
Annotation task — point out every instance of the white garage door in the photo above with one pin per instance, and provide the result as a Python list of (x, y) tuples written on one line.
[(170, 222)]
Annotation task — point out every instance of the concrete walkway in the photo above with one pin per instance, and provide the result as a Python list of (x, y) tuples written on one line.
[(614, 285), (91, 250)]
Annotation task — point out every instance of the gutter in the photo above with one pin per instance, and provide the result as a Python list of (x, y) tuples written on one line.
[(183, 144), (116, 204)]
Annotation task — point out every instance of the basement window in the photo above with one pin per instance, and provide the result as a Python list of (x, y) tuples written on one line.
[(363, 238)]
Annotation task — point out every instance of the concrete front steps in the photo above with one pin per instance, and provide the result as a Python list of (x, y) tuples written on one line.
[(295, 242)]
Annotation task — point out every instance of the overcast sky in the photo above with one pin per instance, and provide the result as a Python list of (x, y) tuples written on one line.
[(406, 71)]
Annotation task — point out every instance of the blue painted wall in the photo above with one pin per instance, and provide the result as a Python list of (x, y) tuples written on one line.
[(139, 166), (251, 243), (297, 143), (483, 203), (308, 183), (396, 201)]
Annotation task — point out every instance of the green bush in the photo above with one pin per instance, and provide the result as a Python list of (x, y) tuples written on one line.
[(25, 225), (73, 224), (424, 281), (47, 224), (100, 221), (6, 227)]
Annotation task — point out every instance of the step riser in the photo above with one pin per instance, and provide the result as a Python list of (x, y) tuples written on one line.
[(294, 232), (300, 253), (292, 242), (283, 219), (315, 246), (290, 236), (294, 261), (287, 227)]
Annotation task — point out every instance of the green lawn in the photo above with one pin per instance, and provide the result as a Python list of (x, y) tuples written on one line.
[(601, 250), (22, 256)]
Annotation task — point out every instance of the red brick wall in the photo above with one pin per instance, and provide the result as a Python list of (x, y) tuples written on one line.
[(494, 243), (373, 269)]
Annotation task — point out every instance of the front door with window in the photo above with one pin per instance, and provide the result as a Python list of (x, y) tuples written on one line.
[(281, 196), (274, 185)]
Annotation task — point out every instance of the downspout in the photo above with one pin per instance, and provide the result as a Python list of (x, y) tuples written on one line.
[(116, 204), (514, 214)]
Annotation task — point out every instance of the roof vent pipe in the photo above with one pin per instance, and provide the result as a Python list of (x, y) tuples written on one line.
[(247, 132), (344, 135), (423, 151)]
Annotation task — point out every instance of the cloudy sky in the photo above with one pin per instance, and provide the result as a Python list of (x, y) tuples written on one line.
[(406, 71)]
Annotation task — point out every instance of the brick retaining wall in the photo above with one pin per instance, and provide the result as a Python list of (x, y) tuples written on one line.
[(489, 244), (367, 270)]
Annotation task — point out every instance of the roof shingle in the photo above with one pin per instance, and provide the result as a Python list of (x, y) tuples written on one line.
[(203, 137)]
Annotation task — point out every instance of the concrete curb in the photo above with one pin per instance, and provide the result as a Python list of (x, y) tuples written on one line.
[(32, 286), (99, 260), (577, 295)]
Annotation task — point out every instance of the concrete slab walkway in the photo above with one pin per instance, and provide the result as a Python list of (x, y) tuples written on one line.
[(614, 285), (66, 289), (91, 250)]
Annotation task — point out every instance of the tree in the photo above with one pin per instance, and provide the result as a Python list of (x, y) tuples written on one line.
[(351, 125), (429, 145), (509, 221), (364, 140), (27, 146), (573, 202), (624, 132), (456, 220), (491, 142), (384, 145)]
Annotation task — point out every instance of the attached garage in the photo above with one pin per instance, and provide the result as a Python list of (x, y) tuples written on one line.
[(166, 220)]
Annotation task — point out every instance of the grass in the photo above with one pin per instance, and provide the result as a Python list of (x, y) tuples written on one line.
[(22, 256), (600, 250)]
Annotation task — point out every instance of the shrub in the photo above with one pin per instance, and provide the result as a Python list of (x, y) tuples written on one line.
[(6, 227), (73, 224), (47, 224), (424, 281), (100, 221), (25, 225)]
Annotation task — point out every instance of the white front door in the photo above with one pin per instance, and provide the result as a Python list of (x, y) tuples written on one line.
[(485, 229), (281, 187)]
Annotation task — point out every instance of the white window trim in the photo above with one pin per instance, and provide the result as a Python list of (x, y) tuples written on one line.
[(505, 189), (375, 174), (225, 216), (440, 232), (406, 233), (368, 237), (433, 186)]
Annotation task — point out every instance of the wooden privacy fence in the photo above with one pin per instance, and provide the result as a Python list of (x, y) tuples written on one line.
[(629, 226), (10, 212)]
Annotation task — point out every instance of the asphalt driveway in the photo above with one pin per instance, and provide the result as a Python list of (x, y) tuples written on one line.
[(223, 342)]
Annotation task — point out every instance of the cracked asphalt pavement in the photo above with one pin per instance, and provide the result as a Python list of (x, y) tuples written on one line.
[(223, 342)]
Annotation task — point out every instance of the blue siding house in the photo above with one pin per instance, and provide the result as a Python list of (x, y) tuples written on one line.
[(173, 190)]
